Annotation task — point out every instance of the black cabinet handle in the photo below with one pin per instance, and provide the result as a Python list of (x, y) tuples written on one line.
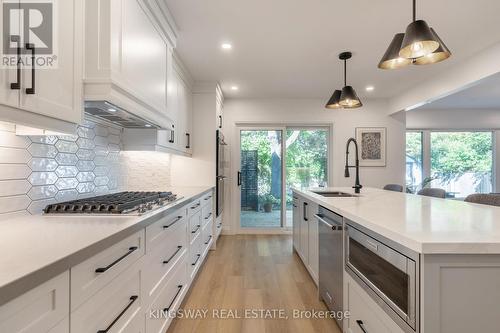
[(173, 255), (188, 136), (196, 206), (177, 219), (220, 121), (196, 261), (132, 300), (31, 46), (208, 198), (17, 85), (208, 216), (104, 269), (239, 178), (361, 325), (172, 135), (208, 241), (196, 230), (305, 212), (179, 288)]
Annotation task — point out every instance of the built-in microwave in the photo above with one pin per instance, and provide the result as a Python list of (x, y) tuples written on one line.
[(388, 272)]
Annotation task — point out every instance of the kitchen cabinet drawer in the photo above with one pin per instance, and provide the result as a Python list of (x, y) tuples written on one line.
[(195, 256), (195, 225), (158, 265), (39, 310), (194, 207), (206, 214), (207, 199), (365, 314), (168, 301), (93, 274), (206, 238), (157, 233), (116, 308)]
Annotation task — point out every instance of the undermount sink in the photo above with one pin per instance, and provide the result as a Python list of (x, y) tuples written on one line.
[(335, 194)]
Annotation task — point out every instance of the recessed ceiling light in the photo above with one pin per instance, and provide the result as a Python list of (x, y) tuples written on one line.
[(234, 88), (226, 46), (111, 110), (370, 88), (147, 125)]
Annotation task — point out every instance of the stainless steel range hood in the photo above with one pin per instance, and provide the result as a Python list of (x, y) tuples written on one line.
[(114, 114)]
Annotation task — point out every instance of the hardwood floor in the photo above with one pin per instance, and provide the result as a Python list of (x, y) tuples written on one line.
[(253, 272)]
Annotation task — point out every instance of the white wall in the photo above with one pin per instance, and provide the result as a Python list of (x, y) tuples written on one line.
[(453, 119), (312, 111)]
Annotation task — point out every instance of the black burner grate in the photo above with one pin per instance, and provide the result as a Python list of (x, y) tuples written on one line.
[(117, 203)]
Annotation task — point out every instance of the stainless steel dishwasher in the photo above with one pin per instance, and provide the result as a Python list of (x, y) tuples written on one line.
[(331, 268)]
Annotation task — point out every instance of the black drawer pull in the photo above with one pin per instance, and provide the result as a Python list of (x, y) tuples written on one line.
[(132, 300), (208, 216), (196, 261), (196, 206), (179, 288), (173, 255), (104, 269), (177, 219), (188, 136), (361, 325), (196, 230), (219, 225), (208, 198), (30, 46), (17, 85), (208, 241)]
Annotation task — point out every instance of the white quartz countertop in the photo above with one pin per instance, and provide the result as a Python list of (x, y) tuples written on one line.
[(423, 224), (35, 248)]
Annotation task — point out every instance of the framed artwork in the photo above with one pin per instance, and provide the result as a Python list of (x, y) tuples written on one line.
[(373, 146)]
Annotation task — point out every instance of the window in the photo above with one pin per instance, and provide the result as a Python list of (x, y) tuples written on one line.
[(414, 167), (459, 162), (462, 162)]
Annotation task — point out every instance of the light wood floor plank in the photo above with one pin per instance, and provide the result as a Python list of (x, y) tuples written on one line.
[(253, 272)]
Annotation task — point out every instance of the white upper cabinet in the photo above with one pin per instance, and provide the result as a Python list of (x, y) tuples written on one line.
[(185, 114), (53, 86), (129, 59)]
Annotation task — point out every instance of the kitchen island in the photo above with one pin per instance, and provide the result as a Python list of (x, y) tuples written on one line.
[(455, 248)]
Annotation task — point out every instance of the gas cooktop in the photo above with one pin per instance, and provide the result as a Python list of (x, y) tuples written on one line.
[(118, 203)]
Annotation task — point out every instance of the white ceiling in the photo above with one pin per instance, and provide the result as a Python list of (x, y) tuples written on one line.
[(483, 95), (289, 48)]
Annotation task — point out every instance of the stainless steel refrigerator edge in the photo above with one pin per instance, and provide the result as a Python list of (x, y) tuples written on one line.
[(220, 176), (331, 268)]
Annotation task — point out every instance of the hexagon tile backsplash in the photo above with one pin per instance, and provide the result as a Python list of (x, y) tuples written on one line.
[(39, 170)]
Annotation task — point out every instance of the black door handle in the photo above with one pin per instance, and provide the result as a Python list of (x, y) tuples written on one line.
[(132, 300), (361, 325), (172, 135), (179, 288), (30, 46), (220, 121), (104, 269), (188, 136), (305, 212), (239, 178), (17, 85), (173, 255)]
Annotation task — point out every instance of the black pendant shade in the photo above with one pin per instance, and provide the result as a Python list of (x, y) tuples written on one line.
[(391, 58), (419, 41), (347, 98), (419, 45), (333, 102), (442, 53)]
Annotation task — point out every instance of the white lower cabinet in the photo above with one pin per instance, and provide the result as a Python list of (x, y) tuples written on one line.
[(364, 313), (41, 310), (306, 234), (161, 312), (117, 307)]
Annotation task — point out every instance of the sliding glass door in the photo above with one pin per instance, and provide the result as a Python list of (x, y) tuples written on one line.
[(266, 178)]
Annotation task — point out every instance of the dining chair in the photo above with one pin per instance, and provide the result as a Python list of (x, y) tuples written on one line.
[(432, 192), (393, 187), (484, 199)]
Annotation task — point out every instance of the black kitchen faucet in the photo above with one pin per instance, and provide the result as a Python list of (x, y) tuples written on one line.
[(357, 187)]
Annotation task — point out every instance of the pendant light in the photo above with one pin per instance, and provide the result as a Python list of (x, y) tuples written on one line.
[(333, 102), (348, 98), (419, 45)]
